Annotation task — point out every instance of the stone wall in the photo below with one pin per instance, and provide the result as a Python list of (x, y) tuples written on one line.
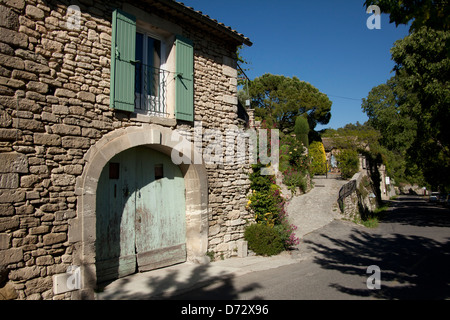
[(54, 106), (361, 200), (349, 208)]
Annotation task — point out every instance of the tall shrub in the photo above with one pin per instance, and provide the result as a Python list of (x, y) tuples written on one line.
[(268, 207), (263, 240), (318, 158)]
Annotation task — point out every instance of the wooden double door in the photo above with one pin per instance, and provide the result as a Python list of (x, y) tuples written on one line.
[(140, 214)]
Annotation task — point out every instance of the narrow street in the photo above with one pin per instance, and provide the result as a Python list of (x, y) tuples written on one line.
[(411, 247)]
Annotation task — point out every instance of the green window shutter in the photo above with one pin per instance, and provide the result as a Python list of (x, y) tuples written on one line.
[(184, 85), (123, 47)]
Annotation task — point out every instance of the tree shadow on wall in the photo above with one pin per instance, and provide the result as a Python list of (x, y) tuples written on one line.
[(175, 286)]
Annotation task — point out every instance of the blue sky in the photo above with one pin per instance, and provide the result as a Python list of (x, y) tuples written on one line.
[(323, 42)]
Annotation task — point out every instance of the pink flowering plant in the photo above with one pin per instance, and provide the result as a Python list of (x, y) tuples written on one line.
[(283, 226), (268, 207)]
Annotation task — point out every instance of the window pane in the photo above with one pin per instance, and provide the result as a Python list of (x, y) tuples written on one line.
[(139, 57), (154, 63), (159, 171), (154, 52)]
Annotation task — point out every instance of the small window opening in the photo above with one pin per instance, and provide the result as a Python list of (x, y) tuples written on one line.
[(114, 169), (159, 172)]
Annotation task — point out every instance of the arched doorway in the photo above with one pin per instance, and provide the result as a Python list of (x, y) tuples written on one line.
[(83, 229), (141, 214)]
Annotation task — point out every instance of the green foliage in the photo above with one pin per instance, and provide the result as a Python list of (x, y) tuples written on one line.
[(284, 158), (279, 100), (294, 163), (397, 132), (295, 179), (268, 207), (348, 163), (318, 158), (265, 201), (293, 153), (423, 91), (263, 239), (265, 206), (301, 130), (354, 136), (370, 219), (396, 128), (431, 13), (411, 109), (241, 71), (211, 255), (260, 182)]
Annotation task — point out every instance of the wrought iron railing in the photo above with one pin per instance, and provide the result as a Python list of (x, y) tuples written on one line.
[(151, 90)]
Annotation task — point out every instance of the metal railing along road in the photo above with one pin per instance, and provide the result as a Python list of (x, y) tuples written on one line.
[(345, 191)]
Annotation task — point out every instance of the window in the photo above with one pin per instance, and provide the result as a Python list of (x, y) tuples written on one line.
[(159, 171), (114, 170), (150, 77), (139, 78)]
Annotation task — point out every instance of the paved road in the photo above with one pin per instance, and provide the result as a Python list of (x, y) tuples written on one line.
[(411, 247)]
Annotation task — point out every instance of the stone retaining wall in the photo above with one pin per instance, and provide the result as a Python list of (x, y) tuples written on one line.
[(360, 200)]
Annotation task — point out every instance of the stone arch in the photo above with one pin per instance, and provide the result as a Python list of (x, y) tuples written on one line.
[(82, 230)]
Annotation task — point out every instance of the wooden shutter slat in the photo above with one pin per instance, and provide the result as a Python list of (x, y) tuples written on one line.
[(123, 47), (184, 87)]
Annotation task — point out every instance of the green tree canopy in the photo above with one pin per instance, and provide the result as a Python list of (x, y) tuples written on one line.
[(412, 109), (434, 14), (348, 162), (397, 129), (354, 136), (279, 99)]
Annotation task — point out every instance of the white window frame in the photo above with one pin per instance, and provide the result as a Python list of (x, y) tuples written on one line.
[(141, 96)]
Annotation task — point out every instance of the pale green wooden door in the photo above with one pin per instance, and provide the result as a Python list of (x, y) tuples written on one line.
[(116, 202), (140, 214), (160, 211)]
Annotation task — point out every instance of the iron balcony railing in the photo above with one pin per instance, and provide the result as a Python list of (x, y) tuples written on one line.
[(150, 90)]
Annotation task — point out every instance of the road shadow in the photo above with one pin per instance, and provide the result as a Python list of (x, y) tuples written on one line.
[(417, 211), (176, 285), (412, 266)]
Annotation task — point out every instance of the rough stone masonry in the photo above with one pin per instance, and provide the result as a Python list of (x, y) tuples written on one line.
[(54, 107)]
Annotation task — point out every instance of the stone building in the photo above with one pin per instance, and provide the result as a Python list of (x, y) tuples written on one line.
[(93, 95)]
